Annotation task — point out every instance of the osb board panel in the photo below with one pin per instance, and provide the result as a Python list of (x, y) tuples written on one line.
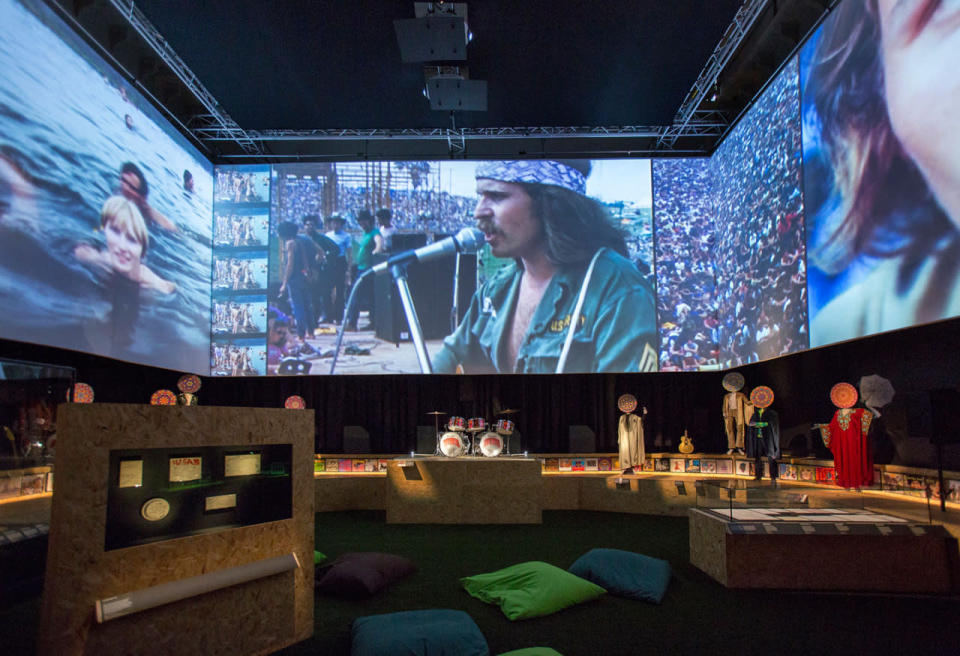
[(876, 563), (256, 617), (350, 493), (708, 545), (464, 491), (561, 493), (647, 496)]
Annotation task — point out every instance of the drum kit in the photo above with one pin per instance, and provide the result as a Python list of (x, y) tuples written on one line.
[(464, 437)]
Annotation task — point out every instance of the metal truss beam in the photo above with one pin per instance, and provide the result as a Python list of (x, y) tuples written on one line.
[(213, 132), (734, 35), (216, 116)]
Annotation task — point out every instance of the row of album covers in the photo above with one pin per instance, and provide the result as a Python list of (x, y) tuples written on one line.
[(22, 485), (917, 485)]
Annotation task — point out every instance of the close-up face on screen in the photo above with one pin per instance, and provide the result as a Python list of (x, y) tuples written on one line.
[(881, 167), (104, 208)]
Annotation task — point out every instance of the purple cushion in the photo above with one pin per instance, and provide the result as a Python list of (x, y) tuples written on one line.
[(362, 575)]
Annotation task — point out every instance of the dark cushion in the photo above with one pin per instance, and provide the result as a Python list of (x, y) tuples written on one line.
[(361, 575), (624, 573), (531, 589), (418, 633), (532, 651)]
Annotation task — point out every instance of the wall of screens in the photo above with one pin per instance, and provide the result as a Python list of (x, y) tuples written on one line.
[(829, 212), (104, 207)]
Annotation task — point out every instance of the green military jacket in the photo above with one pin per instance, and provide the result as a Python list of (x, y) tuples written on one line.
[(616, 332)]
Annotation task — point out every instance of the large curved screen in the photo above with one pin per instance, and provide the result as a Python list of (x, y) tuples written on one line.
[(305, 249), (104, 208), (881, 150)]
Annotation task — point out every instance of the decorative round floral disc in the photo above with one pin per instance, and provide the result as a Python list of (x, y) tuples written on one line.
[(733, 381), (189, 383), (163, 397), (82, 393), (761, 396), (295, 402), (843, 395), (627, 403)]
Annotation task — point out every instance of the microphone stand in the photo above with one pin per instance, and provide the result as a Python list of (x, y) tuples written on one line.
[(455, 309), (399, 273), (346, 313)]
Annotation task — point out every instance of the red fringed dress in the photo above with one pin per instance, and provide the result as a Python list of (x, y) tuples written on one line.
[(846, 437)]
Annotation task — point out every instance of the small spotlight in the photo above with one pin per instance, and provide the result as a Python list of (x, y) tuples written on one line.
[(715, 93)]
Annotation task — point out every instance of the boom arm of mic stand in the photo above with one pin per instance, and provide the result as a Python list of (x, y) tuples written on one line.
[(399, 273), (346, 313)]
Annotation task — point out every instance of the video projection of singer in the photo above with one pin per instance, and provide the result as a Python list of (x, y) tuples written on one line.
[(881, 148), (104, 208), (557, 237)]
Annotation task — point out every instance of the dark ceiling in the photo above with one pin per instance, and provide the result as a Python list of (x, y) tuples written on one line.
[(314, 65), (302, 64)]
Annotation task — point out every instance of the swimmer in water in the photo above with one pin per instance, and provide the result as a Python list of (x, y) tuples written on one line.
[(133, 186), (127, 238)]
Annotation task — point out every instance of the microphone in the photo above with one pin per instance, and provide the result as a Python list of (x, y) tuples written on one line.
[(468, 240)]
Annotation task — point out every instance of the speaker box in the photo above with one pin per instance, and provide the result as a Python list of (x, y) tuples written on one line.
[(356, 439), (944, 416), (431, 288), (582, 439), (426, 440)]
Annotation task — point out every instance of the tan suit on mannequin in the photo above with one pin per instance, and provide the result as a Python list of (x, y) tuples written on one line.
[(630, 441), (737, 411)]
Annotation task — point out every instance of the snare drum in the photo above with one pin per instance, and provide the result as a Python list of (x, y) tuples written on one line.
[(453, 444), (457, 424), (476, 424), (504, 426), (491, 444)]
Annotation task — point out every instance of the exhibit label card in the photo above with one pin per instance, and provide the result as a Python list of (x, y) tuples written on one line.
[(241, 464), (185, 469), (131, 473), (221, 502)]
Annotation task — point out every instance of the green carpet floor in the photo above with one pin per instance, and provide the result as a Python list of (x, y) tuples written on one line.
[(697, 616)]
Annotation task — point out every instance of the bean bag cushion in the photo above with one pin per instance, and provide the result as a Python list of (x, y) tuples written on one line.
[(533, 651), (531, 589), (418, 633), (624, 573), (362, 575)]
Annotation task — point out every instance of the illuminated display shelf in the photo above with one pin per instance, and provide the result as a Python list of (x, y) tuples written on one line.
[(892, 481)]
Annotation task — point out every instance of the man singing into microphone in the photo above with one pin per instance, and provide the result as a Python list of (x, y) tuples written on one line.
[(537, 213)]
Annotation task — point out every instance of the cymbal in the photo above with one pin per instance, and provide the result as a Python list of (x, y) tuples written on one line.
[(435, 412), (509, 411)]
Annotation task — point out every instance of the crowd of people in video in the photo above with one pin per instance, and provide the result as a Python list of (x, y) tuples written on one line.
[(415, 210), (760, 251), (234, 318), (231, 360), (234, 273), (235, 230), (686, 306), (238, 187)]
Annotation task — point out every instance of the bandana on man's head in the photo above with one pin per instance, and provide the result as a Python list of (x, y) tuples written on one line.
[(545, 171)]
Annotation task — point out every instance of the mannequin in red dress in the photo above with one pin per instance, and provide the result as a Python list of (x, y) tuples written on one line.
[(846, 437)]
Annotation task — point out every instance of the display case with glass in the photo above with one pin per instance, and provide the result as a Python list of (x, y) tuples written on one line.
[(29, 394), (762, 501)]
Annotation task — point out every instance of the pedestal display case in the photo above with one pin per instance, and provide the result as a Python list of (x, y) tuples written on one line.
[(750, 534), (180, 529)]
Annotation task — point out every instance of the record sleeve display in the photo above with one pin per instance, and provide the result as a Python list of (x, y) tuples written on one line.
[(160, 494)]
